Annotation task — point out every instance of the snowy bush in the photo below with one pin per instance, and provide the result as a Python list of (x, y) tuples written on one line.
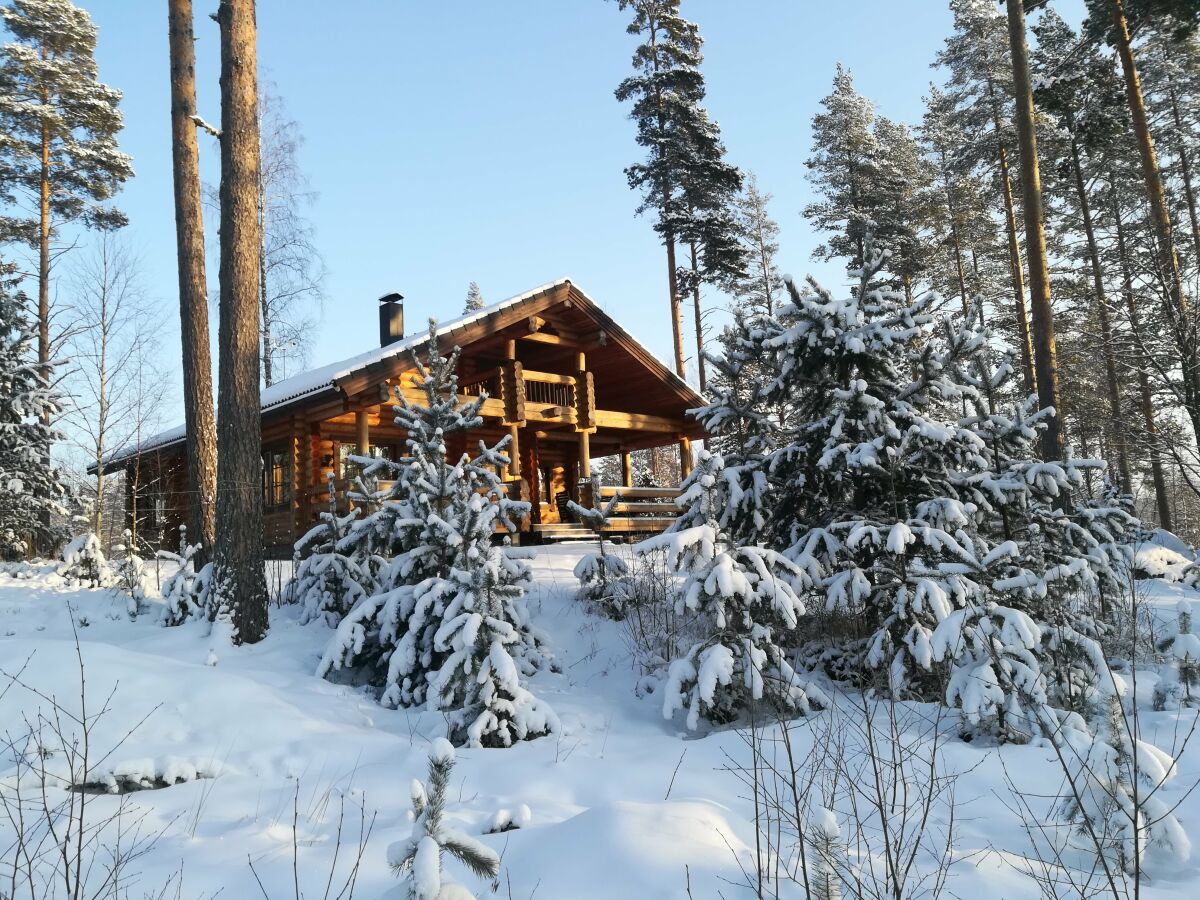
[(604, 583), (329, 581), (745, 601), (12, 547), (446, 625), (186, 591), (1179, 677), (419, 859), (83, 562), (1115, 797), (602, 575), (130, 573)]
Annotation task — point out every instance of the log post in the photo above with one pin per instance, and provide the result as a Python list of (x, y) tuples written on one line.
[(626, 469), (362, 432), (685, 458)]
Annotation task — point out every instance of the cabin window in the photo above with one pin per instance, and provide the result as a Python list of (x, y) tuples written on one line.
[(347, 469), (277, 488)]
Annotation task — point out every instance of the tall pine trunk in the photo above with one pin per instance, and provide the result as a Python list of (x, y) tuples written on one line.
[(1045, 349), (700, 370), (264, 304), (1014, 249), (668, 233), (1112, 385), (1161, 499), (1167, 257), (1185, 166), (240, 580), (199, 420)]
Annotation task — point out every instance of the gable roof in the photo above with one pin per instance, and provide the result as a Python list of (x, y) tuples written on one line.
[(330, 378)]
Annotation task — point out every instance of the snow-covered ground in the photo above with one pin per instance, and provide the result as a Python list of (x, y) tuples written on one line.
[(622, 803)]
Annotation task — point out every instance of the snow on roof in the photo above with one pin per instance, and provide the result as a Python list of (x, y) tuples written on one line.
[(323, 378)]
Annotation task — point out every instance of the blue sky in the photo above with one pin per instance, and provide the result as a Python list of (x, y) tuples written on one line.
[(472, 140)]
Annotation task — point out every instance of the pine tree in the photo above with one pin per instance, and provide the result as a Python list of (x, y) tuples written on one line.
[(239, 582), (1078, 88), (744, 601), (761, 287), (447, 625), (665, 93), (474, 299), (843, 171), (419, 859), (199, 418), (61, 127), (710, 230), (1045, 348), (979, 87), (31, 493), (1179, 678)]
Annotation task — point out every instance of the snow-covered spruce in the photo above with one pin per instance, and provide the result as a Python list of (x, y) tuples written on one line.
[(447, 623), (888, 474), (329, 579), (419, 859), (744, 599), (1179, 675), (83, 562), (602, 575), (1115, 798), (31, 491), (185, 591)]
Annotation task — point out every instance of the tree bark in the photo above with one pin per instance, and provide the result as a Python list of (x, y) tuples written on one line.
[(1161, 499), (676, 305), (239, 578), (199, 421), (700, 370), (1014, 251), (1112, 385), (1045, 349), (1185, 166), (263, 298), (1167, 257)]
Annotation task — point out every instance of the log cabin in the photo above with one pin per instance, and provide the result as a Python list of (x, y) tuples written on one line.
[(560, 378)]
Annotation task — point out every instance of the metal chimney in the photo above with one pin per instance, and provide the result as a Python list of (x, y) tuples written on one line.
[(391, 319)]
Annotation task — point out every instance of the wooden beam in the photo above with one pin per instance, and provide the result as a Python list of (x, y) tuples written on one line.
[(538, 337), (626, 469), (637, 421)]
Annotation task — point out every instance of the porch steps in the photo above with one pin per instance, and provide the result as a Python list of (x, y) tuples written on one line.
[(563, 531)]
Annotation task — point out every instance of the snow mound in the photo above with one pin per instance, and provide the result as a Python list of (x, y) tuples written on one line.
[(1153, 561)]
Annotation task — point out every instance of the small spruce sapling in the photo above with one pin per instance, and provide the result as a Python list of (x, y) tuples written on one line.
[(1115, 802), (602, 575), (329, 581), (419, 859), (83, 562), (185, 591), (130, 572), (744, 599), (1179, 676)]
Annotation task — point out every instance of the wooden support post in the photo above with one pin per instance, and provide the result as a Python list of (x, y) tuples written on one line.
[(626, 468), (514, 452), (362, 432), (585, 456), (685, 458)]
